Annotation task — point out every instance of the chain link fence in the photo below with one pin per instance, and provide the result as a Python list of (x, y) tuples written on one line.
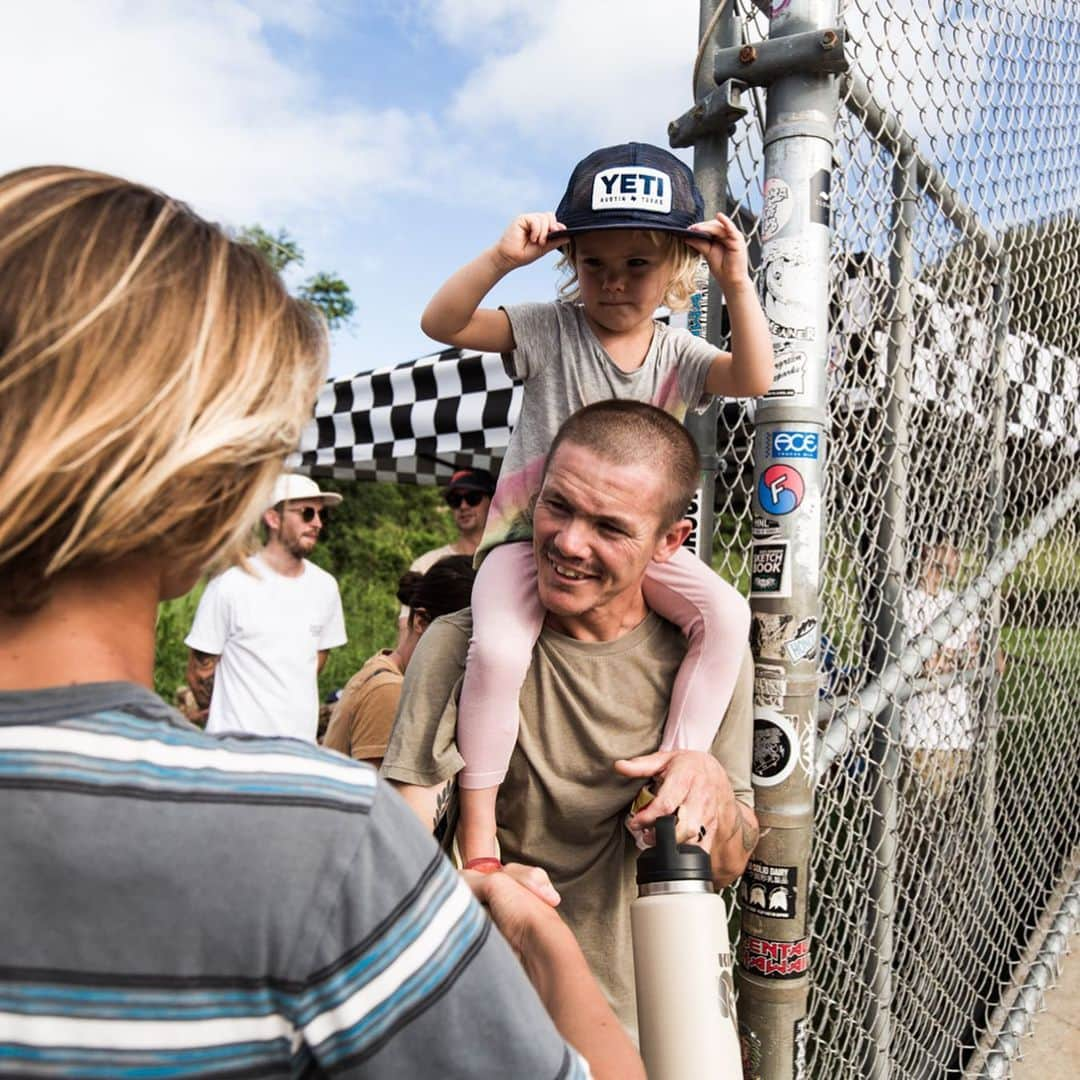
[(947, 801)]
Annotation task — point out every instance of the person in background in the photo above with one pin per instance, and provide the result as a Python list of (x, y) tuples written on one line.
[(177, 903), (363, 718), (469, 497), (937, 726), (263, 629)]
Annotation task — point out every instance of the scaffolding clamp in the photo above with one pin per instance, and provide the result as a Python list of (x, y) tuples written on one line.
[(814, 52), (715, 114)]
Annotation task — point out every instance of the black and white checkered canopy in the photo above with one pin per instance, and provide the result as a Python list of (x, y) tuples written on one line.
[(420, 421), (415, 423)]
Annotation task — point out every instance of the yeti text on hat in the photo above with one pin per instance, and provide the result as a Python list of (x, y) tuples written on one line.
[(631, 186)]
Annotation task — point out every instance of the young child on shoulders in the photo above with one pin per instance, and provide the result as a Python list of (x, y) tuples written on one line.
[(630, 231)]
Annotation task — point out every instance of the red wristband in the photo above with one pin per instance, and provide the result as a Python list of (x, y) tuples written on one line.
[(487, 864)]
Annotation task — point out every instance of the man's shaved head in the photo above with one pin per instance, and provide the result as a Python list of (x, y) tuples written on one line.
[(632, 432)]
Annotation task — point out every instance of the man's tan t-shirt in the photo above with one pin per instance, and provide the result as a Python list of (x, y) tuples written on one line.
[(361, 721), (562, 804)]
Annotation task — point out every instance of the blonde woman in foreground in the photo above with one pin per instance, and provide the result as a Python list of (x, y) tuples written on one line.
[(174, 901)]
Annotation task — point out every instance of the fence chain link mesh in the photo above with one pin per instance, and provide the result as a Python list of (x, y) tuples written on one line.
[(954, 422)]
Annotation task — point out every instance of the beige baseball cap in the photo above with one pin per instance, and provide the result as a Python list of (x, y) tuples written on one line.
[(291, 486)]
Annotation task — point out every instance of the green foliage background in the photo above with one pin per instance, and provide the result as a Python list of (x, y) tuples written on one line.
[(374, 534)]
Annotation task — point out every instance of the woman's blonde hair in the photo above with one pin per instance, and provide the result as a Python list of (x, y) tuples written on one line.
[(153, 375), (685, 265)]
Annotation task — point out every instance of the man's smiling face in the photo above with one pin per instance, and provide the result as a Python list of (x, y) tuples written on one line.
[(596, 528)]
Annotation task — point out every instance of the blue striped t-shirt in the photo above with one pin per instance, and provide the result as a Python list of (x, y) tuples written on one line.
[(177, 904)]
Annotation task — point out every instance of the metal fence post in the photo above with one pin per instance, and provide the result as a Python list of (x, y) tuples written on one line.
[(710, 142), (890, 631), (788, 526)]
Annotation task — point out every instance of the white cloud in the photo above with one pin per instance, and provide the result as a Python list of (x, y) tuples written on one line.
[(192, 99), (470, 22), (607, 70)]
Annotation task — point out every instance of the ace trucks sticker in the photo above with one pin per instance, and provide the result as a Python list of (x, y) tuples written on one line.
[(792, 444)]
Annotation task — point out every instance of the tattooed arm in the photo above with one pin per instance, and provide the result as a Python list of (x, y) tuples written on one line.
[(200, 677), (429, 804)]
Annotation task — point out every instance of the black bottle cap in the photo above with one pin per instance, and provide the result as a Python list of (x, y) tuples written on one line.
[(668, 861)]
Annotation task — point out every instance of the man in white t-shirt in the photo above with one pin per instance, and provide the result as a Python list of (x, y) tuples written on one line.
[(937, 728), (262, 634)]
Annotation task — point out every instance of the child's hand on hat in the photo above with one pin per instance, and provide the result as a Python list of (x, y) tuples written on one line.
[(529, 237), (725, 252)]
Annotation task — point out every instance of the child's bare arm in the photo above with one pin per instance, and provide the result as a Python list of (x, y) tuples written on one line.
[(746, 371), (454, 315)]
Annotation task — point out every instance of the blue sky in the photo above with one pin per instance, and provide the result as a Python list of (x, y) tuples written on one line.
[(394, 140)]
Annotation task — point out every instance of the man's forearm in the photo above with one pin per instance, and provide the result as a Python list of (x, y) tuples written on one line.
[(562, 980), (730, 855)]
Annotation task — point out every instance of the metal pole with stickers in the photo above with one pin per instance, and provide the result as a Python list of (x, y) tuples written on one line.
[(799, 63)]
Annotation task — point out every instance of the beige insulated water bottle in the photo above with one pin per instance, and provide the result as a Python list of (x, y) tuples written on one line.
[(682, 964)]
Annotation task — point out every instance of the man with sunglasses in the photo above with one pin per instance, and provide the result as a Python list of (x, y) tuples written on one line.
[(469, 497), (262, 633)]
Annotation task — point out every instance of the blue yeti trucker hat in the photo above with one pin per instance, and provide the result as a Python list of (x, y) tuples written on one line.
[(632, 186)]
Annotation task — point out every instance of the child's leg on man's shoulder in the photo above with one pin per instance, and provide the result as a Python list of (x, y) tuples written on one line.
[(715, 618), (507, 618)]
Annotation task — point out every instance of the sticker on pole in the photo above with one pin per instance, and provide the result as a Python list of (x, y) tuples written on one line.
[(792, 444), (693, 513), (770, 574), (776, 212), (770, 685), (804, 645), (768, 891), (798, 1065), (763, 528), (821, 197), (776, 747), (774, 959), (750, 1052), (789, 374), (786, 269), (780, 489)]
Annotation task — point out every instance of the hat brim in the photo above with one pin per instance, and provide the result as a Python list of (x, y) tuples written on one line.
[(636, 226), (327, 498)]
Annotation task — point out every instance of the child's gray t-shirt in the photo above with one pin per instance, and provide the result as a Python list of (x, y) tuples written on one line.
[(564, 367)]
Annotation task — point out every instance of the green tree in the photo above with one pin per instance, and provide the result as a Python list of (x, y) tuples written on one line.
[(324, 290)]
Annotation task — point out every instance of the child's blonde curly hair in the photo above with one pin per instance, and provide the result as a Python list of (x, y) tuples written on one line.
[(684, 261)]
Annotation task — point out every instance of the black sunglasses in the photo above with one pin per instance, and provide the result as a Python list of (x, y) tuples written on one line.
[(309, 513), (455, 498)]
